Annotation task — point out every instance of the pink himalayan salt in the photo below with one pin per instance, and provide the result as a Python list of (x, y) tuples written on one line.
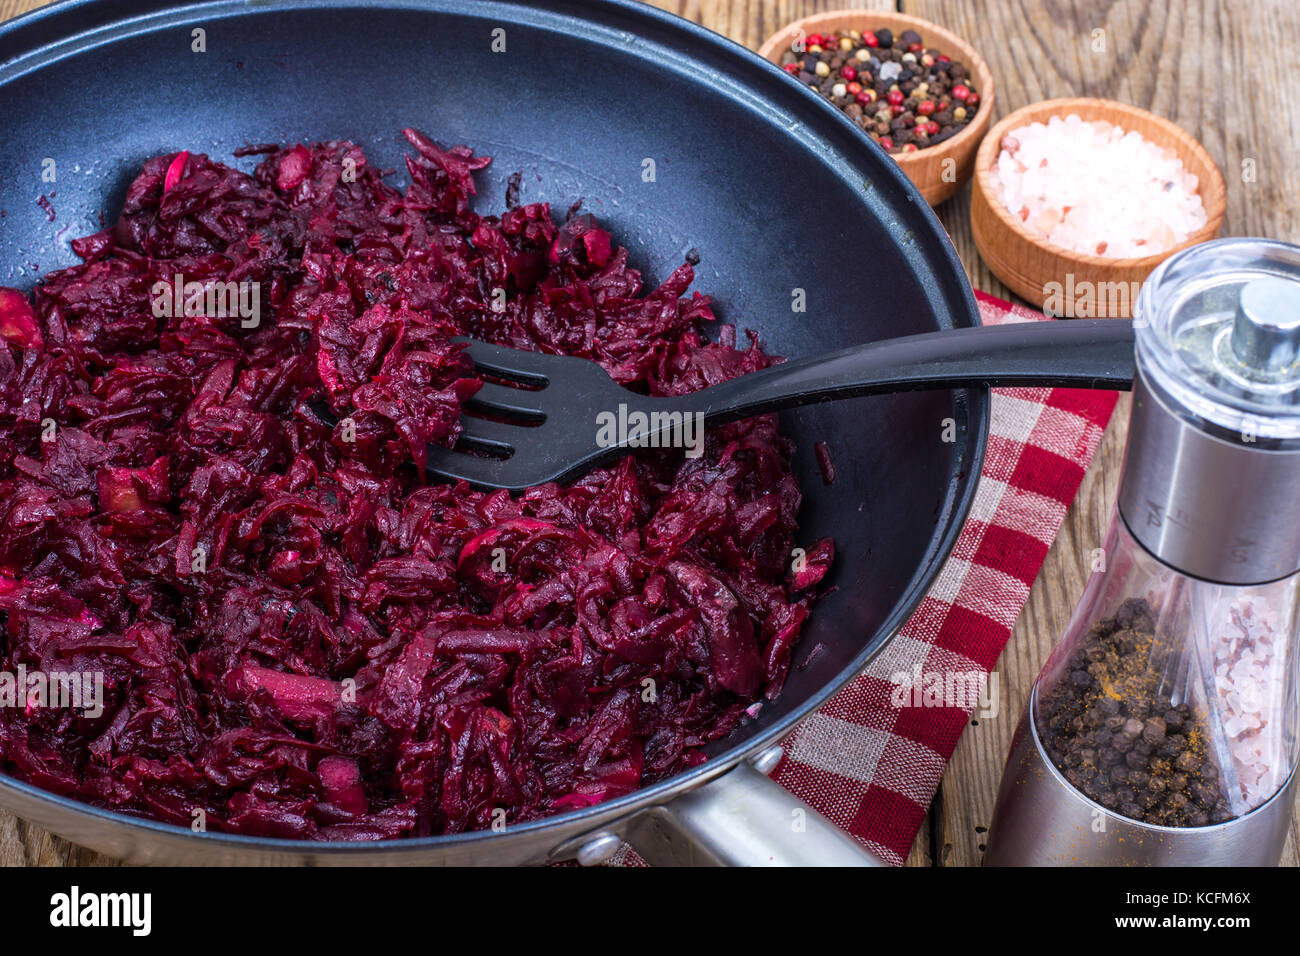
[(1249, 658), (1093, 188)]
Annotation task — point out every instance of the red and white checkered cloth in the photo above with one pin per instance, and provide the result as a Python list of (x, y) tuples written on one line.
[(872, 766)]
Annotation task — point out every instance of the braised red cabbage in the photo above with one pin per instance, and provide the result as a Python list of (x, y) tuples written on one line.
[(300, 638)]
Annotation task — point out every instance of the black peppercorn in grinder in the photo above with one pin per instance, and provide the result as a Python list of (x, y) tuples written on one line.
[(1163, 728)]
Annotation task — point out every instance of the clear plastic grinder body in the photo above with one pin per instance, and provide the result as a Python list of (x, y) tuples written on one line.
[(1162, 729)]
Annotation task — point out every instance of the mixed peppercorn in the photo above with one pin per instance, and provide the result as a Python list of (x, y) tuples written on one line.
[(904, 95), (1111, 728)]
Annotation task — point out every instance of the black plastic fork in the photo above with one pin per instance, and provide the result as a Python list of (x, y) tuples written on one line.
[(562, 416)]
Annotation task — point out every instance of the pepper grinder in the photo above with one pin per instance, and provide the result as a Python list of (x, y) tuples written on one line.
[(1162, 730)]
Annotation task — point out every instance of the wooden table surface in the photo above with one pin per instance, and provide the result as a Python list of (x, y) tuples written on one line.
[(1221, 69)]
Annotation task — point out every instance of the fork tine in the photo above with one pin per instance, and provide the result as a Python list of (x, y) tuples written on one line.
[(508, 362), (517, 454), (493, 435), (512, 401), (482, 473)]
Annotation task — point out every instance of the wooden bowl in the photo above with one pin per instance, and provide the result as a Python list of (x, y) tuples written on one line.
[(926, 167), (1089, 285)]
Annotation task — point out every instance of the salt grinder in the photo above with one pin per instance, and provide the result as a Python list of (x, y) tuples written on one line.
[(1163, 728)]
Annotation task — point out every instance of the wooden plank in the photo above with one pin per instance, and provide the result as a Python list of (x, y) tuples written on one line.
[(12, 8), (1178, 59), (1181, 60), (750, 22)]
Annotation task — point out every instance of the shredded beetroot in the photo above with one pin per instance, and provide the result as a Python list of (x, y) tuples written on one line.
[(297, 636)]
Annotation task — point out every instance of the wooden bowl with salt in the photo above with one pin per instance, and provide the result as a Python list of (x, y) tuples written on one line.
[(937, 171), (1058, 280)]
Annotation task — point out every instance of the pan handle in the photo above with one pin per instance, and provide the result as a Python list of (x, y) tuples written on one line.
[(743, 819)]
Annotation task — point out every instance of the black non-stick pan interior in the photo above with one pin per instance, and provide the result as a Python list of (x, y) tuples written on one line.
[(779, 194)]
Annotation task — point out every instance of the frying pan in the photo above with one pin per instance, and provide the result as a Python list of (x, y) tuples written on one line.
[(679, 140)]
